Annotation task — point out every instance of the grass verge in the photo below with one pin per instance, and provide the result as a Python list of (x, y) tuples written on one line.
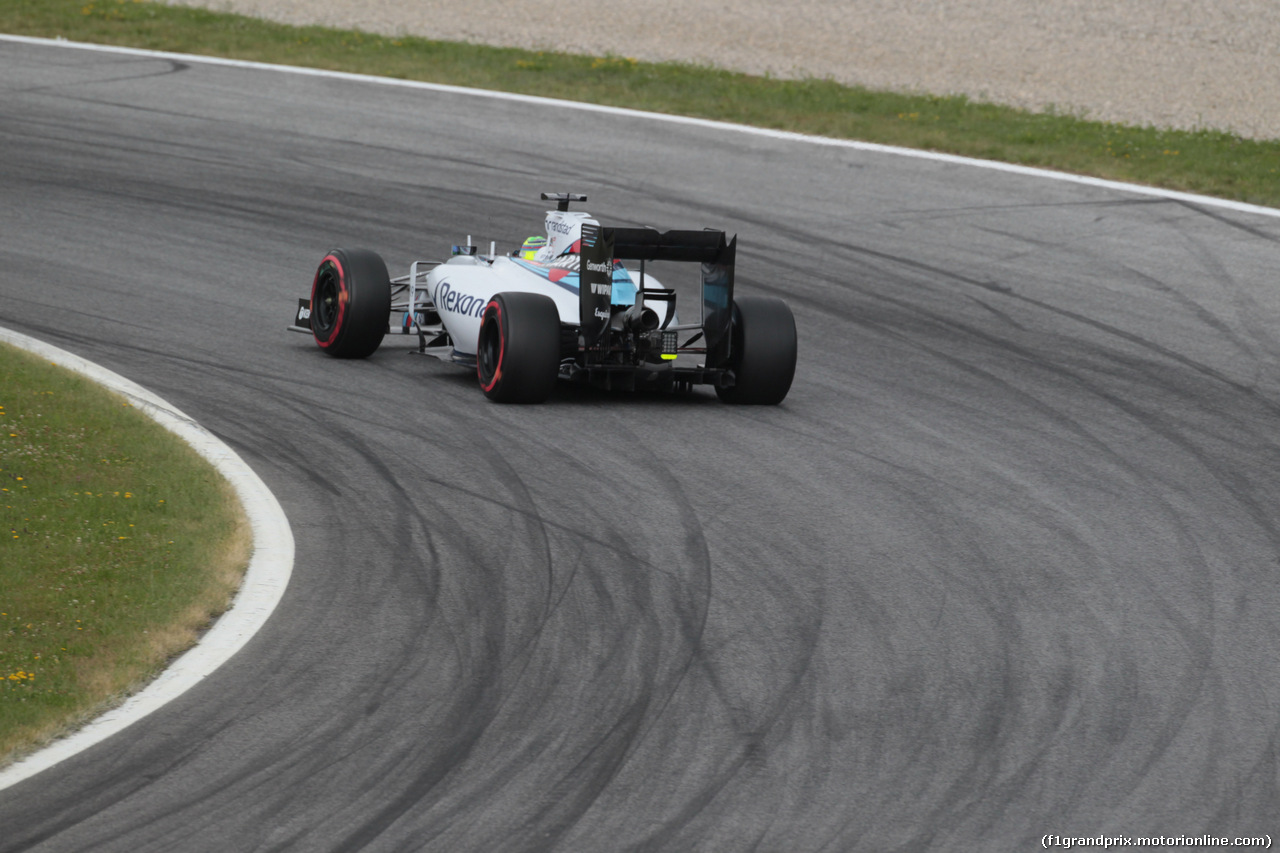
[(120, 545), (1208, 162)]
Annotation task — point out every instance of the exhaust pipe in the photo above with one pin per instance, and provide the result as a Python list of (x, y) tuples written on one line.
[(638, 319)]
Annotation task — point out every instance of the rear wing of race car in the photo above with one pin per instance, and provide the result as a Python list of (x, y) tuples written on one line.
[(602, 244)]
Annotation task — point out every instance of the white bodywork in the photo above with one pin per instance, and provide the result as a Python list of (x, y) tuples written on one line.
[(564, 228), (460, 288)]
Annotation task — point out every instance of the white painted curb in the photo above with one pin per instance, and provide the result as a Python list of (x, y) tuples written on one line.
[(1172, 195), (263, 586)]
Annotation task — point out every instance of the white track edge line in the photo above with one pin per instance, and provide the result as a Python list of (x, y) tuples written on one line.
[(264, 583), (1029, 171)]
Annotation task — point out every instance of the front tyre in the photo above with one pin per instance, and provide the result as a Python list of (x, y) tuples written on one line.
[(518, 351), (762, 351), (350, 303)]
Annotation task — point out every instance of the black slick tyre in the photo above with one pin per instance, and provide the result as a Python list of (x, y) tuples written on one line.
[(762, 352), (518, 351), (350, 303)]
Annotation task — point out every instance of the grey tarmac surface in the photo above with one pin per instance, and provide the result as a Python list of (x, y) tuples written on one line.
[(1003, 564)]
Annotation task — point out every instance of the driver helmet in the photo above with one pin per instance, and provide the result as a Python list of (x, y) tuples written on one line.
[(531, 247)]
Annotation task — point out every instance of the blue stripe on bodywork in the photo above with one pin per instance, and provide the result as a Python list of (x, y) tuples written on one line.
[(624, 288)]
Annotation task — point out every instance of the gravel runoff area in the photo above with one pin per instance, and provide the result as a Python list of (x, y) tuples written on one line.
[(1186, 64)]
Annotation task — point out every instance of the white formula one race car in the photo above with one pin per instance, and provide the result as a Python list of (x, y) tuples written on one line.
[(563, 307)]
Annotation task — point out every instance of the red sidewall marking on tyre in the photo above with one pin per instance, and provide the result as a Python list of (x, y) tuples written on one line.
[(502, 347), (342, 299)]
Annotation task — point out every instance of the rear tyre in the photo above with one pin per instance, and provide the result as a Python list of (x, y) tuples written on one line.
[(518, 351), (762, 351), (350, 303)]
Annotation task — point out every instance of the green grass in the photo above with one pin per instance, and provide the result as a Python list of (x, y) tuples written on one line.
[(119, 545), (1208, 162)]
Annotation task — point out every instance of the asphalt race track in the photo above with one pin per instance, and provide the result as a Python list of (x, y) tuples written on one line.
[(1005, 563)]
